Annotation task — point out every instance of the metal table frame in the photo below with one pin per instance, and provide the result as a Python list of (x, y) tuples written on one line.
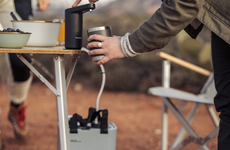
[(61, 80)]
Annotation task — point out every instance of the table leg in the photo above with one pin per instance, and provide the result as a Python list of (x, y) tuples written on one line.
[(61, 102), (60, 92)]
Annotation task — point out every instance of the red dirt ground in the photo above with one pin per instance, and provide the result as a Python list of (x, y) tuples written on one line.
[(136, 115)]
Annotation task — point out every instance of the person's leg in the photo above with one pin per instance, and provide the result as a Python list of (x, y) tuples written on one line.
[(18, 87), (18, 90), (19, 79), (20, 75), (221, 66)]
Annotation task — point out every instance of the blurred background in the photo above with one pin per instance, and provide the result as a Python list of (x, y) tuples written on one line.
[(137, 73), (57, 8)]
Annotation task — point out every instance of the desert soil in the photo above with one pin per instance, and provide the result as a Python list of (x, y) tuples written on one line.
[(136, 115)]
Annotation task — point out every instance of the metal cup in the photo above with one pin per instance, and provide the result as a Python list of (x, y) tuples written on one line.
[(102, 30)]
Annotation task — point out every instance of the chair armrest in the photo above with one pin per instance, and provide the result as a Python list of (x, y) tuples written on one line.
[(184, 63)]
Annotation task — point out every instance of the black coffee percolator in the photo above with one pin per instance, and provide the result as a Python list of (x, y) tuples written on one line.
[(73, 25)]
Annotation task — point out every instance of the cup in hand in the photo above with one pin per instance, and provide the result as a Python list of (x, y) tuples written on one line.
[(102, 30)]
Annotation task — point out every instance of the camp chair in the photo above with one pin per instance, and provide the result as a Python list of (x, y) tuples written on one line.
[(167, 93)]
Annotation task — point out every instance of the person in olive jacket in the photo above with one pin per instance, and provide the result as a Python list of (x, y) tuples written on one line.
[(155, 33)]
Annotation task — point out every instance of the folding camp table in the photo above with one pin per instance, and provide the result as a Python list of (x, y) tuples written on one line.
[(61, 81)]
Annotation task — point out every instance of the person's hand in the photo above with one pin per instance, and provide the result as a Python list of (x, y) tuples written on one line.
[(110, 47), (43, 5), (78, 1)]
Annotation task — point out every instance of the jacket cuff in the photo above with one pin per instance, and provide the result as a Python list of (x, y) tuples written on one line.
[(126, 47)]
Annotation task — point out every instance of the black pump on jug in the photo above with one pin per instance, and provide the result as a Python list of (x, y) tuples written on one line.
[(73, 25)]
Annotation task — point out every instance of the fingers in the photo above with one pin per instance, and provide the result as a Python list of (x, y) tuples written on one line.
[(93, 1), (103, 61), (43, 5), (96, 37), (110, 47), (95, 45), (76, 3), (96, 52)]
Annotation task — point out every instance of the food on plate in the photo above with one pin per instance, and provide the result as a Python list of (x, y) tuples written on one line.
[(11, 30)]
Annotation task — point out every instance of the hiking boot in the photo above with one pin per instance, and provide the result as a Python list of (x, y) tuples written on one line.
[(17, 117), (2, 142)]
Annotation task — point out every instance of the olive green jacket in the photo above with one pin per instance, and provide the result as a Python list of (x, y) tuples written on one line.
[(172, 17)]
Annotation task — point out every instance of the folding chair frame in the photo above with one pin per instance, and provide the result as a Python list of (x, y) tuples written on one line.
[(180, 141)]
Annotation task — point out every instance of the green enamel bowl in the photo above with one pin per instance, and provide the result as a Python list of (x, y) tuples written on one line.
[(13, 39)]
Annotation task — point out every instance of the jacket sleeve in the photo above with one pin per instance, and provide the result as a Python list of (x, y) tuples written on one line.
[(164, 24)]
